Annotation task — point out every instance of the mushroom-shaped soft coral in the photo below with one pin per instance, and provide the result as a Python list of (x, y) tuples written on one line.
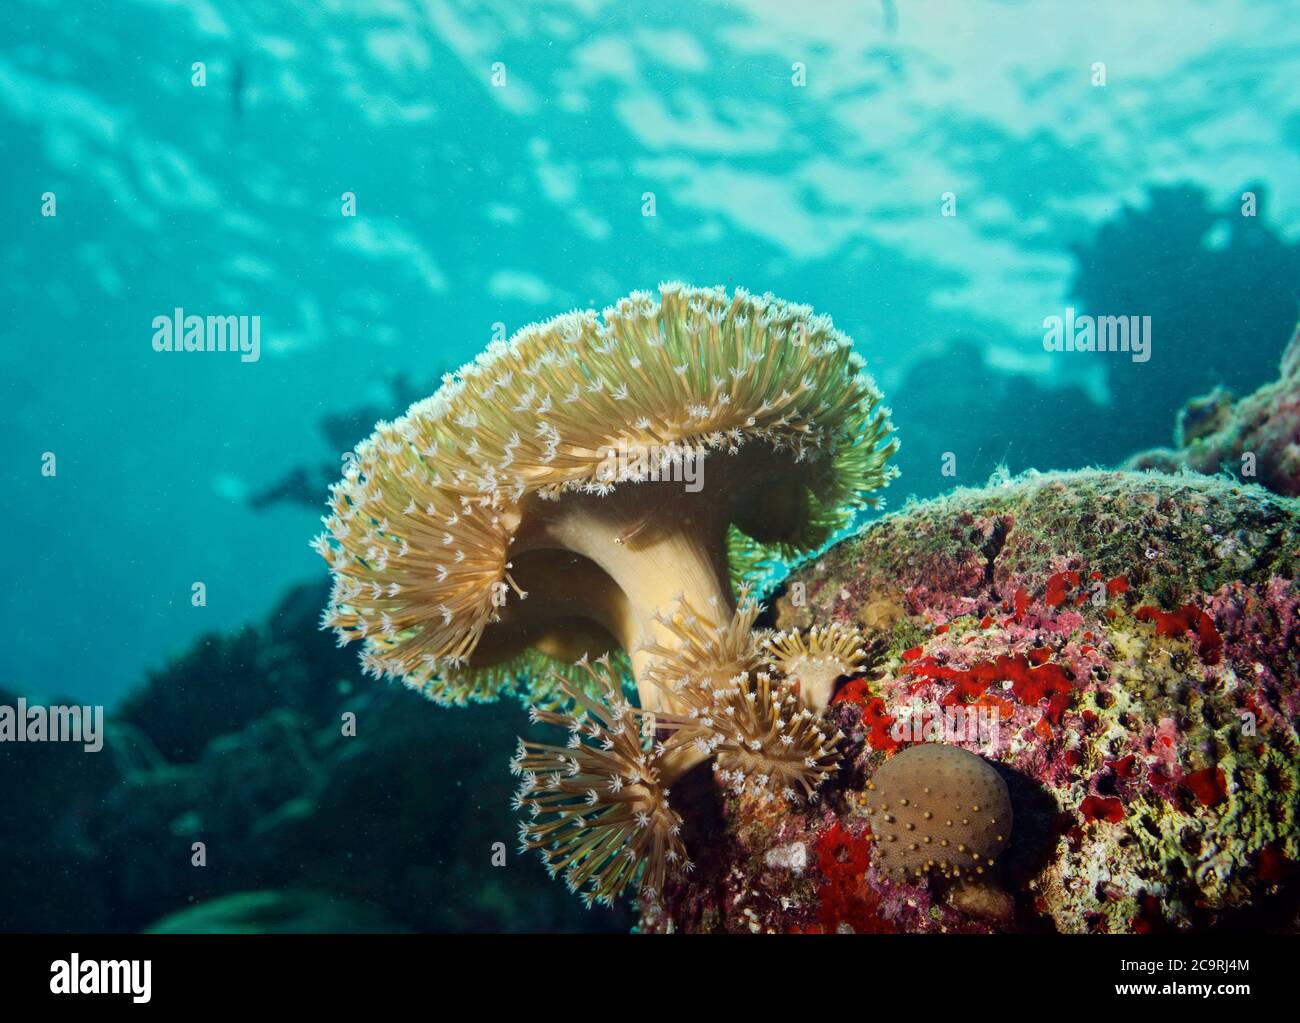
[(599, 806), (816, 658), (546, 451), (540, 640)]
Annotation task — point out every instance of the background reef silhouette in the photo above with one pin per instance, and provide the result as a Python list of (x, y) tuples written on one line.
[(238, 744)]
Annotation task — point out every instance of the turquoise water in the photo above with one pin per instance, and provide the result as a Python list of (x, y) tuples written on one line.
[(482, 202)]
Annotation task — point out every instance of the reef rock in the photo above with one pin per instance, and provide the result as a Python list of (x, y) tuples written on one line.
[(1257, 438), (1122, 649)]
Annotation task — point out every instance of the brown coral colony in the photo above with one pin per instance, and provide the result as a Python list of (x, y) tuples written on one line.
[(936, 808)]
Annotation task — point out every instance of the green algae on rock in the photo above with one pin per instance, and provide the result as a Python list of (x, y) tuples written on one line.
[(1122, 648)]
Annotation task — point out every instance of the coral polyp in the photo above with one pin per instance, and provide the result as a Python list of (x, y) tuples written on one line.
[(816, 658), (700, 651), (599, 806), (763, 740)]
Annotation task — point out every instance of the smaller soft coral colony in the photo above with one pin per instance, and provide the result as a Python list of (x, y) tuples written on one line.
[(600, 807), (816, 658), (1114, 656), (735, 706)]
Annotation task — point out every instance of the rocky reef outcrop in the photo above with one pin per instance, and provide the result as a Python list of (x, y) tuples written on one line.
[(1256, 438), (1122, 648)]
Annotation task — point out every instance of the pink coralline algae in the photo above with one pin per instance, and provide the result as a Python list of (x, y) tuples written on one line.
[(1122, 649), (1256, 438)]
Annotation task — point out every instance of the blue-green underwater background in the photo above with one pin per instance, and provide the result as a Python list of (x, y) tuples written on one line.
[(500, 155)]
